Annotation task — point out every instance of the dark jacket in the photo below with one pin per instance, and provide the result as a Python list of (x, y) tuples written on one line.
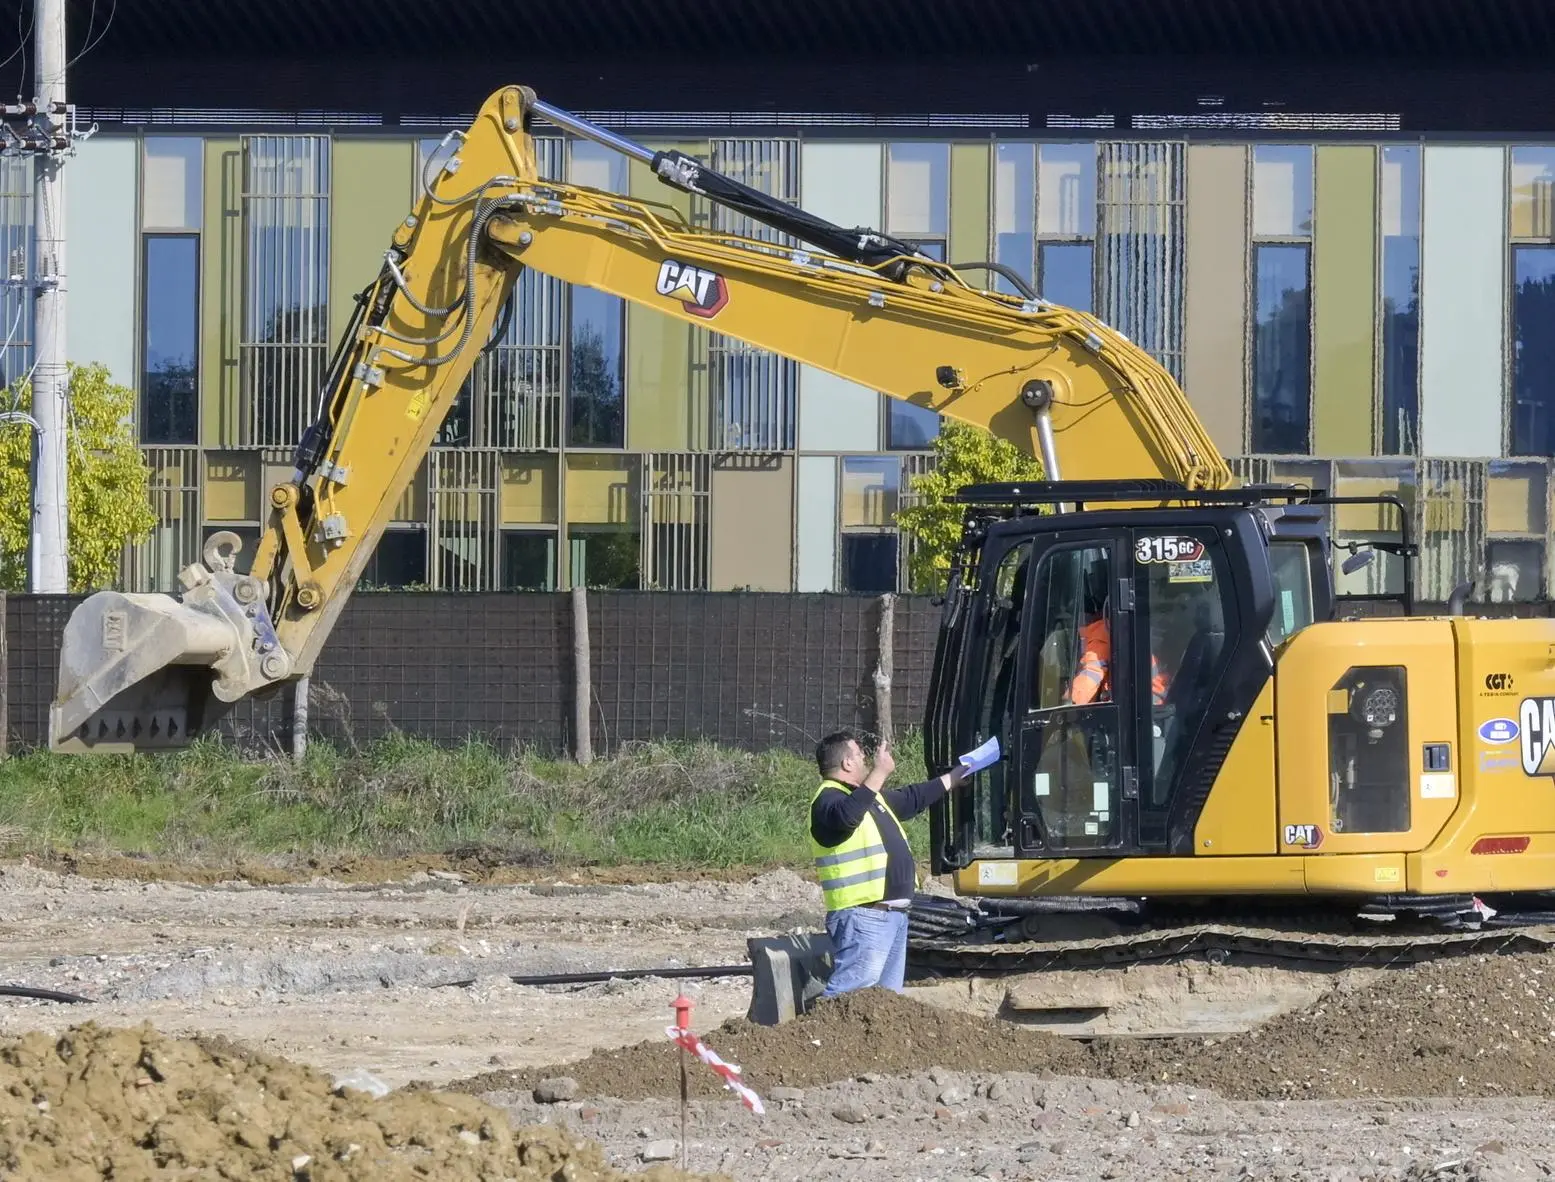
[(836, 814)]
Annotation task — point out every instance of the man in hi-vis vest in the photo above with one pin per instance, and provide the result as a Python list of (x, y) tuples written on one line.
[(863, 861)]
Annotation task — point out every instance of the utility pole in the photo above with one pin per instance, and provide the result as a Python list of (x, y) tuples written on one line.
[(49, 385)]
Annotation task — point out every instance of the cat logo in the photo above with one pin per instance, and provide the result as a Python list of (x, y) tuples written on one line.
[(701, 292), (1537, 716), (1308, 837)]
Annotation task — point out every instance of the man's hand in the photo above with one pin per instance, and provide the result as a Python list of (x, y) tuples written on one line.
[(956, 775), (880, 772)]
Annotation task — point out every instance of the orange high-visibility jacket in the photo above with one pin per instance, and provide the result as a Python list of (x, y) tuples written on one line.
[(1091, 681)]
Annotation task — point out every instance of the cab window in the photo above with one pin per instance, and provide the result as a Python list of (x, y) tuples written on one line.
[(1291, 563)]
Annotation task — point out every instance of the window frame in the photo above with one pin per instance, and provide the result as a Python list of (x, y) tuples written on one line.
[(1379, 424), (1256, 240), (887, 527), (936, 239), (142, 371), (569, 325), (1034, 269)]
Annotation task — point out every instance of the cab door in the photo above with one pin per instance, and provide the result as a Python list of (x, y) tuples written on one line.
[(1076, 733)]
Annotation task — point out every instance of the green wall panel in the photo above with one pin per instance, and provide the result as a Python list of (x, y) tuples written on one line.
[(221, 292), (659, 406), (969, 207), (1344, 289), (367, 201)]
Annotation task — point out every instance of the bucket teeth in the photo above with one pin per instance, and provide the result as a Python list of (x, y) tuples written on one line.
[(156, 728)]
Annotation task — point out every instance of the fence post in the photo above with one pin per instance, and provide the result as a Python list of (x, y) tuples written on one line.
[(5, 684), (299, 719), (885, 651), (582, 680)]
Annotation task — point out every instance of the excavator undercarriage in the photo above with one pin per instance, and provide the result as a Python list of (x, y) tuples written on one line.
[(993, 937)]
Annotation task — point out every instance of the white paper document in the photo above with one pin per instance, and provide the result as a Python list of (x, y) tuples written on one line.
[(985, 756)]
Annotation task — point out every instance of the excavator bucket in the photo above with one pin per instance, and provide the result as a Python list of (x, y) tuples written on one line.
[(153, 672)]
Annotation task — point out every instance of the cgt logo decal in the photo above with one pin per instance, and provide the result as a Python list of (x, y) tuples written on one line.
[(1308, 837), (1537, 716), (701, 292), (1499, 683)]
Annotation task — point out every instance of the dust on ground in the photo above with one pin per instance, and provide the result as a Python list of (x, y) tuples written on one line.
[(132, 1104)]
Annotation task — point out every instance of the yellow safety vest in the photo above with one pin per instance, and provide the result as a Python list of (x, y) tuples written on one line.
[(853, 873)]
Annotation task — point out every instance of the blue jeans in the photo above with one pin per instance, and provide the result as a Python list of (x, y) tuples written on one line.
[(869, 948)]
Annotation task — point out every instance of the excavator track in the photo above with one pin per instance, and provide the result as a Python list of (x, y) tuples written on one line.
[(960, 937)]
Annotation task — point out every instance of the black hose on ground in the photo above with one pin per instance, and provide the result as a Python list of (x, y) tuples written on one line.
[(702, 972), (41, 994)]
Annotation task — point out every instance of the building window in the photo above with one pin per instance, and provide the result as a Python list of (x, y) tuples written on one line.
[(173, 494), (172, 183), (607, 557), (1282, 305), (1400, 300), (528, 560), (512, 397), (596, 364), (676, 496), (1045, 219), (399, 561), (1533, 302), (285, 339), (1516, 530), (1015, 213), (1066, 224), (16, 256), (1533, 351), (917, 210), (753, 392), (170, 303), (868, 551), (868, 563)]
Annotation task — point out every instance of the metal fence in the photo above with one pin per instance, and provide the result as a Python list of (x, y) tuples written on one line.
[(747, 669)]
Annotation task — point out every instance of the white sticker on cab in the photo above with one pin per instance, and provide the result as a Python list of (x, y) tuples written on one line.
[(997, 874), (1438, 786)]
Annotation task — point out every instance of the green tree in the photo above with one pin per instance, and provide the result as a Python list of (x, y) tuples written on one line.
[(106, 474), (963, 455)]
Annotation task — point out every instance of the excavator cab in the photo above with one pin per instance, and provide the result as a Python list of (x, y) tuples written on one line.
[(1180, 604)]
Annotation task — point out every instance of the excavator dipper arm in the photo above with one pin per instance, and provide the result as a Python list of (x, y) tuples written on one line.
[(151, 671)]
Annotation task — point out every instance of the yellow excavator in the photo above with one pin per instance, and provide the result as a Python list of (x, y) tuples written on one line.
[(1194, 734)]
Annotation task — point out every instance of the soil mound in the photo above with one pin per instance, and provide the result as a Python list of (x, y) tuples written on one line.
[(1480, 1026), (132, 1104), (1470, 1026), (872, 1030)]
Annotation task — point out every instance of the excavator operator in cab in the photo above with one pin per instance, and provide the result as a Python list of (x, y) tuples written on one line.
[(1092, 681)]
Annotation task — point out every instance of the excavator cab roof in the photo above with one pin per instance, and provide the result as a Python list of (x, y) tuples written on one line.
[(1286, 513)]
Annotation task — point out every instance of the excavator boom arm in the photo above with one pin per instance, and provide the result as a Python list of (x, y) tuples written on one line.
[(146, 671)]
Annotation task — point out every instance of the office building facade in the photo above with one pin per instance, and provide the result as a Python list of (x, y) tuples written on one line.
[(1353, 291)]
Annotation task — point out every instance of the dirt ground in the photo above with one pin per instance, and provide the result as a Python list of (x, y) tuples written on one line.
[(1442, 1071)]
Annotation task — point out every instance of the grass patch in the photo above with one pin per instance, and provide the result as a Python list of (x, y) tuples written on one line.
[(690, 805)]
